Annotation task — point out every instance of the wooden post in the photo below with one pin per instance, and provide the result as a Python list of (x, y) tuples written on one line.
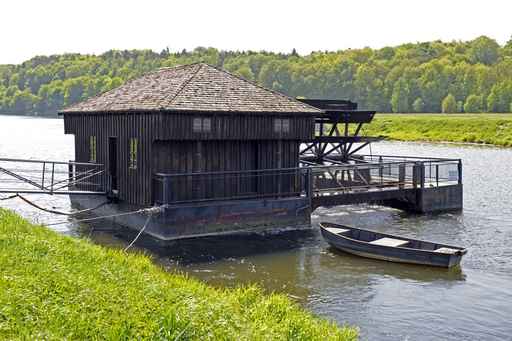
[(418, 177)]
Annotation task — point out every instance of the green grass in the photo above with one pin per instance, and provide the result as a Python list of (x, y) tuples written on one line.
[(57, 287), (466, 128)]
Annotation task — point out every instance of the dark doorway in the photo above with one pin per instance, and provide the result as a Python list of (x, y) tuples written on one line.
[(112, 164)]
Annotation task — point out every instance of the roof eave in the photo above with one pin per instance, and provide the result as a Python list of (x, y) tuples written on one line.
[(189, 111)]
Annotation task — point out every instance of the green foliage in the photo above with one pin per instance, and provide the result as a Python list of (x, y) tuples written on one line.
[(474, 128), (54, 287), (449, 104), (387, 79), (484, 50), (500, 98), (418, 105), (399, 98), (474, 104)]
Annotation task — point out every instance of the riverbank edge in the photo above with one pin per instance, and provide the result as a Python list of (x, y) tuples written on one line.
[(54, 286), (471, 129)]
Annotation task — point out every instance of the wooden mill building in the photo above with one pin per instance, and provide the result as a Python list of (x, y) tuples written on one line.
[(189, 119), (186, 119)]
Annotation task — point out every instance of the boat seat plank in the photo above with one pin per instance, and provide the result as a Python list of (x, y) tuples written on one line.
[(446, 250), (389, 242), (336, 230)]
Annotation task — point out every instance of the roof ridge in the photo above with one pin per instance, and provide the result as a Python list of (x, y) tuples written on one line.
[(289, 98), (185, 83)]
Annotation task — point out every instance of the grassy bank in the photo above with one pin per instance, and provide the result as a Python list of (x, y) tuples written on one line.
[(55, 287), (474, 128)]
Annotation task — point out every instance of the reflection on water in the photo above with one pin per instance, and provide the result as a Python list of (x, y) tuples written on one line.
[(386, 300)]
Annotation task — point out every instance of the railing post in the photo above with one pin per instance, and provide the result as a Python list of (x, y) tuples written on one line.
[(422, 174), (437, 175), (459, 168), (53, 177), (70, 174), (401, 176), (166, 184), (42, 180), (381, 170), (308, 182)]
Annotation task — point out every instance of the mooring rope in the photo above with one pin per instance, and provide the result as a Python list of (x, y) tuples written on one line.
[(59, 212), (94, 218), (149, 210), (140, 232)]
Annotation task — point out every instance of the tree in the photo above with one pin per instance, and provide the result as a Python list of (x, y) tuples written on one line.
[(507, 49), (245, 72), (500, 97), (460, 106), (23, 102), (418, 105), (449, 104), (416, 77), (484, 50), (399, 99), (474, 104)]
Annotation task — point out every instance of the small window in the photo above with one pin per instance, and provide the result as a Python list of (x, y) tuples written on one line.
[(92, 149), (281, 125), (285, 125), (134, 145), (202, 125)]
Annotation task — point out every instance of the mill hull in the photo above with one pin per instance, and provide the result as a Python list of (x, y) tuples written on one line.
[(207, 219)]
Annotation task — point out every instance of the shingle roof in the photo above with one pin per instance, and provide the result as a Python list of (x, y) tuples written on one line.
[(194, 87)]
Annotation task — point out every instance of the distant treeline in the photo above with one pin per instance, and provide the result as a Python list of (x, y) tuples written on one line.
[(472, 76)]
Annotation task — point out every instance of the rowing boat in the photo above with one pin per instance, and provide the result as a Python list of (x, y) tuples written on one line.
[(376, 245)]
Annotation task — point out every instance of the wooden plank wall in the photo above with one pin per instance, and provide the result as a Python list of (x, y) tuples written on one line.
[(273, 150), (235, 127), (134, 184)]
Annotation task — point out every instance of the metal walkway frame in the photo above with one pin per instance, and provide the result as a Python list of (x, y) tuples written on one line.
[(48, 177)]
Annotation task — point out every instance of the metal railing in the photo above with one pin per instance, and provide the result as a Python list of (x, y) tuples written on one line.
[(387, 173), (229, 185), (50, 177)]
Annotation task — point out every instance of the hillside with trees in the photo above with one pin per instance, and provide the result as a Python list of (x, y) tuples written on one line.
[(473, 76)]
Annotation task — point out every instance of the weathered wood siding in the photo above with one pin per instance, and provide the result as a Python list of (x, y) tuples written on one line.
[(197, 151), (134, 184), (235, 127)]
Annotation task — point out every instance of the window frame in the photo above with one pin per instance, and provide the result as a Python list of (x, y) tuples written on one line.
[(202, 125), (134, 153), (282, 125), (93, 149)]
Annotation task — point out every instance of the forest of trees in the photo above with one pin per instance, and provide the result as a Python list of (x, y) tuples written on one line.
[(473, 76)]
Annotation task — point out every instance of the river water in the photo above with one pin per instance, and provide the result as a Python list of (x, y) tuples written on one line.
[(385, 300)]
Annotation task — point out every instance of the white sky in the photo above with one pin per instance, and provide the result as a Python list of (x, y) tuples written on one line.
[(36, 27)]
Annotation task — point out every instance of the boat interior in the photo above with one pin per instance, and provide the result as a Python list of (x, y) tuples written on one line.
[(382, 239)]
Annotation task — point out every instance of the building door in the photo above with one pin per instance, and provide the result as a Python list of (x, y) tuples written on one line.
[(112, 164)]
